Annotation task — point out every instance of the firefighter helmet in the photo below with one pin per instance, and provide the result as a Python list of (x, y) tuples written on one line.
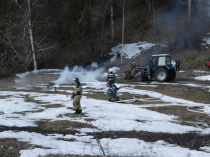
[(76, 79)]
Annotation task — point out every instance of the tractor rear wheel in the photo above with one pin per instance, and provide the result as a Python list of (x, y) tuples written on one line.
[(161, 75)]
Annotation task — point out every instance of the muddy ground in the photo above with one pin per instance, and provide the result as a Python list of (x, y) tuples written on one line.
[(178, 89)]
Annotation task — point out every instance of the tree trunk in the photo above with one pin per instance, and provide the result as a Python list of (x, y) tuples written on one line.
[(189, 24), (102, 21), (112, 20), (189, 9), (123, 29), (148, 5), (154, 12), (31, 36), (92, 46)]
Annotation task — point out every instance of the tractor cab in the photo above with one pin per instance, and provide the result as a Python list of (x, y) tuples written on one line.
[(162, 60)]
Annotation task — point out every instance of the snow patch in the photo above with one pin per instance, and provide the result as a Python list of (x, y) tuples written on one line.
[(130, 50)]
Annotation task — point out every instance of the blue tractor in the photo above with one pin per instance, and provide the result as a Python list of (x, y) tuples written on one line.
[(160, 69)]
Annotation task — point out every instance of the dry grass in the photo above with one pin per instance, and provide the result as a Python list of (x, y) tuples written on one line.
[(10, 147), (195, 94), (62, 125)]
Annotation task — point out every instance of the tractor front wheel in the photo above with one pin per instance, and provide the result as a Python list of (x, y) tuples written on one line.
[(161, 75), (139, 78), (127, 74)]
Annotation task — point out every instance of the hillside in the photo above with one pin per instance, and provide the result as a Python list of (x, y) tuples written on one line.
[(139, 27), (81, 32)]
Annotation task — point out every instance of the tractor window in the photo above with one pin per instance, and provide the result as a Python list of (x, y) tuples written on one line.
[(162, 61), (168, 61), (154, 61)]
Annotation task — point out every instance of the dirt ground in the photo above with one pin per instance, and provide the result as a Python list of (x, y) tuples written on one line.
[(179, 88)]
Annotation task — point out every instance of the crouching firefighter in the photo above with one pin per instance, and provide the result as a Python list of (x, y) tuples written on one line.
[(112, 93), (77, 95)]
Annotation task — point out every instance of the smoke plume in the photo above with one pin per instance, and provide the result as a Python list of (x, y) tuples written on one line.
[(93, 72), (182, 25)]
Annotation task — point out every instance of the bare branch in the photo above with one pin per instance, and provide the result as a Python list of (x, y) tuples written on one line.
[(41, 40), (9, 43), (34, 2), (16, 2), (45, 48)]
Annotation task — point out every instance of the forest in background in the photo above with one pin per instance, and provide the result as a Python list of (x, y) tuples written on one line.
[(54, 33)]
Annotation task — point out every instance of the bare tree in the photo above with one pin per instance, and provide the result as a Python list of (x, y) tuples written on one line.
[(155, 11), (26, 45), (123, 29), (32, 36), (112, 20), (103, 12), (148, 5), (92, 46)]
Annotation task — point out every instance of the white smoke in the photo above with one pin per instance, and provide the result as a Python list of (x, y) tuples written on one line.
[(173, 62), (92, 73), (89, 74), (31, 78), (114, 69)]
